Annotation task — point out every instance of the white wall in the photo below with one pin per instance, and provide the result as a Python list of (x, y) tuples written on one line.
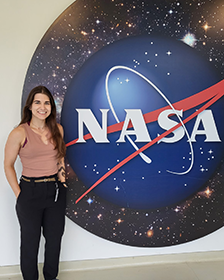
[(22, 24)]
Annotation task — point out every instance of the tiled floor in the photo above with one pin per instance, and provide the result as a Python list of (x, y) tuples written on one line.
[(209, 270)]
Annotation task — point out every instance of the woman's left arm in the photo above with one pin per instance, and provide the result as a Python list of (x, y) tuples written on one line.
[(61, 170), (61, 163)]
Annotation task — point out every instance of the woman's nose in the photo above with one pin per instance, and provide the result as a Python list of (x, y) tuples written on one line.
[(42, 106)]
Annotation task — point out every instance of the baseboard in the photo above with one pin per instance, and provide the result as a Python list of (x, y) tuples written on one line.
[(104, 264)]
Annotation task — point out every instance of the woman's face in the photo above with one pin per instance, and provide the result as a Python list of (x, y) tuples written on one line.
[(41, 106)]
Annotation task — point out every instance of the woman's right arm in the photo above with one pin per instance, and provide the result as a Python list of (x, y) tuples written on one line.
[(14, 142)]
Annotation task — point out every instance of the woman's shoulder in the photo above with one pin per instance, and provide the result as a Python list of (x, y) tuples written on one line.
[(19, 130), (18, 134)]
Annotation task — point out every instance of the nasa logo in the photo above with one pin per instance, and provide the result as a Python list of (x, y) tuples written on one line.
[(144, 131)]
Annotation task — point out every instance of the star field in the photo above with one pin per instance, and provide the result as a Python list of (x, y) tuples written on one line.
[(83, 29)]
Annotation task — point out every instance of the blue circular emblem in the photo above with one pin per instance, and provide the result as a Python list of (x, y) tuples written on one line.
[(126, 96)]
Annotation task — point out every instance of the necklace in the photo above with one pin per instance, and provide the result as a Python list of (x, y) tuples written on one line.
[(40, 130)]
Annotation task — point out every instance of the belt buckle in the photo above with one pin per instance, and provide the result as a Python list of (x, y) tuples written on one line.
[(45, 180)]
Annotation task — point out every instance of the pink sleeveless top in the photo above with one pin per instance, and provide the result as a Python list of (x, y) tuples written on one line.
[(38, 159)]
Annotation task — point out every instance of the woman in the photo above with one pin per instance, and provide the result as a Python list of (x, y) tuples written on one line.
[(41, 193)]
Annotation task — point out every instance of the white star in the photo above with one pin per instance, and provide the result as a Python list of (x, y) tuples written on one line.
[(90, 201), (189, 39)]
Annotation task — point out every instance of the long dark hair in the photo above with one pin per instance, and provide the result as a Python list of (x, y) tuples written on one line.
[(50, 121)]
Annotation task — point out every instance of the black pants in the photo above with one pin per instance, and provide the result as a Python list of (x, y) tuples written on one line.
[(37, 210)]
